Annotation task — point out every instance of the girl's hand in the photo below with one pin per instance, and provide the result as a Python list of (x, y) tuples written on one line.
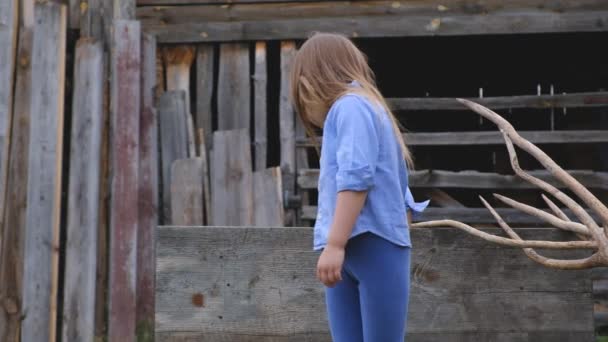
[(329, 267)]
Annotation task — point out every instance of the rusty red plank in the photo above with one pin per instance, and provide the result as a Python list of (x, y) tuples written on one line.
[(125, 92), (148, 194)]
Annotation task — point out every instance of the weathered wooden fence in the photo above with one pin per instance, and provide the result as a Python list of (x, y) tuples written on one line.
[(258, 284)]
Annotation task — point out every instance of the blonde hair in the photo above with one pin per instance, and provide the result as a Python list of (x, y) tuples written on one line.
[(322, 71)]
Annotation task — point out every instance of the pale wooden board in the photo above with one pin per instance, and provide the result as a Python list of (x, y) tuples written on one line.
[(78, 319), (178, 61), (204, 91), (404, 25), (231, 179), (258, 284), (287, 124), (124, 9), (260, 82), (126, 103), (42, 216), (91, 19), (233, 88), (173, 140), (11, 259), (206, 181), (268, 198), (309, 178), (148, 192), (187, 192)]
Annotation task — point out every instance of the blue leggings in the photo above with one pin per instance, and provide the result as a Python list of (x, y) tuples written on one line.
[(370, 303)]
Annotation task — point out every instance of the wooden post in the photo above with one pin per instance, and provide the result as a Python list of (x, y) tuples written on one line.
[(174, 146), (8, 42), (260, 109), (11, 259), (44, 174), (204, 91), (148, 194), (287, 126), (233, 89), (187, 192), (83, 195), (268, 198), (231, 179), (125, 92)]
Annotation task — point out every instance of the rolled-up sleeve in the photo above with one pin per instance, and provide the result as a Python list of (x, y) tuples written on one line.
[(357, 144), (415, 207)]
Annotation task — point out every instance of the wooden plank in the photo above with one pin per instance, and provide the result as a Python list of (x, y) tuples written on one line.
[(173, 142), (515, 22), (126, 103), (91, 19), (148, 193), (258, 284), (83, 193), (178, 61), (191, 11), (234, 88), (468, 215), (42, 218), (124, 9), (187, 192), (449, 5), (206, 181), (11, 259), (495, 138), (74, 14), (26, 15), (8, 40), (204, 91), (287, 125), (231, 179), (309, 178), (575, 100), (260, 82), (268, 198)]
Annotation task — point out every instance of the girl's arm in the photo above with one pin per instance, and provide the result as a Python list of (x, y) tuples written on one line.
[(348, 207)]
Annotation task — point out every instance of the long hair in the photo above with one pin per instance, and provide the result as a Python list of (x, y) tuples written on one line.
[(322, 71)]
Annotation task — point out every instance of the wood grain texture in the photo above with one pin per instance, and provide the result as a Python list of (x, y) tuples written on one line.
[(258, 284), (187, 200), (309, 178), (204, 91), (496, 138), (74, 14), (148, 192), (440, 24), (42, 218), (234, 87), (260, 83), (78, 321), (125, 113), (124, 9), (206, 178), (12, 249), (178, 61), (268, 198), (287, 124), (173, 140), (231, 179), (467, 215)]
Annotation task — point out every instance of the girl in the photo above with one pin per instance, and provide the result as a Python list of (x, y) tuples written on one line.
[(364, 197)]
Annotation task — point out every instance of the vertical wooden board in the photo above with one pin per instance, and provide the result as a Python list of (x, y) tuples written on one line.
[(268, 198), (125, 92), (83, 193), (287, 123), (91, 19), (74, 14), (178, 61), (231, 179), (44, 174), (124, 9), (206, 180), (11, 259), (260, 109), (173, 140), (187, 192), (26, 13), (8, 42), (190, 137), (148, 193), (204, 91), (233, 89)]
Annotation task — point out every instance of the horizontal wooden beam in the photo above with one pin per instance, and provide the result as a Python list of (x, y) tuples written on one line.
[(466, 215), (309, 178), (512, 22), (592, 99), (495, 138)]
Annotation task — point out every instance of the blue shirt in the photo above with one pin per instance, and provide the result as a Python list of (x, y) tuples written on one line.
[(361, 153)]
